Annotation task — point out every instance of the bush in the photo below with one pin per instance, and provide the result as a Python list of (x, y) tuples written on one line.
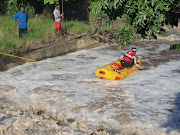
[(13, 7), (175, 46), (124, 36), (146, 17)]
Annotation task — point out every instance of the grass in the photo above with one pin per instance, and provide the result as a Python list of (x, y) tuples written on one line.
[(76, 28), (39, 29)]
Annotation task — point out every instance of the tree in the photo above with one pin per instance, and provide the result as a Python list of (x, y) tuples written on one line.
[(173, 15), (51, 1), (146, 16)]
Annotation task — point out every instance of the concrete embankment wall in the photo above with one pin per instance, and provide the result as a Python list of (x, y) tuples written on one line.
[(40, 51)]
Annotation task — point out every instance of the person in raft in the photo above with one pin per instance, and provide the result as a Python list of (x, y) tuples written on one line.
[(22, 17), (129, 59), (58, 16)]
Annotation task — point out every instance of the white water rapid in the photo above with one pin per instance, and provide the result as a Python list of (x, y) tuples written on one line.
[(147, 102)]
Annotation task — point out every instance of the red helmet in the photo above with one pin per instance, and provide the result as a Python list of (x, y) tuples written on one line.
[(131, 53)]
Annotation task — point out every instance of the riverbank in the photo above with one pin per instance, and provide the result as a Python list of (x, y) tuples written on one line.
[(40, 29), (40, 42), (43, 50)]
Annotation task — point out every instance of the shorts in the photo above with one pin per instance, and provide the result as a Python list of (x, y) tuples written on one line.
[(58, 26)]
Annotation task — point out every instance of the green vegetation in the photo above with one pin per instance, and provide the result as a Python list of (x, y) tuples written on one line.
[(76, 28), (175, 46), (13, 7), (108, 19), (147, 18), (39, 29)]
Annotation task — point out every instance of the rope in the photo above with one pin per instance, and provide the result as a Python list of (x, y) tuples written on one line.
[(45, 63)]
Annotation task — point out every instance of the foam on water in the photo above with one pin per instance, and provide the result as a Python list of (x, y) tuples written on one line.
[(154, 93)]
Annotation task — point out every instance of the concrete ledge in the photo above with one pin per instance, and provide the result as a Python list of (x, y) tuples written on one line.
[(42, 51)]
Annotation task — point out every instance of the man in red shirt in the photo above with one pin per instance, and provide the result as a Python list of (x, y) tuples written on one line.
[(129, 59)]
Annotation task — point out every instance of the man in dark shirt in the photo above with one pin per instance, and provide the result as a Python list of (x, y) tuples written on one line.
[(22, 17)]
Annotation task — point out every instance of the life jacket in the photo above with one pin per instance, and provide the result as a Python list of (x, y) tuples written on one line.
[(129, 56)]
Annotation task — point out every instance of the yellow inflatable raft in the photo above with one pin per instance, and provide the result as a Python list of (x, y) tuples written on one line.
[(112, 71)]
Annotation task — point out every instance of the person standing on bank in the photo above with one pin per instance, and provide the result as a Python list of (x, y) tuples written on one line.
[(22, 17), (58, 16)]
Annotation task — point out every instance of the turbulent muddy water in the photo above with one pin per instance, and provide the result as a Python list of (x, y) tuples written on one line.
[(42, 99)]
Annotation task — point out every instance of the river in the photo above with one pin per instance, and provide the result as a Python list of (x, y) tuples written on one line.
[(43, 99)]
